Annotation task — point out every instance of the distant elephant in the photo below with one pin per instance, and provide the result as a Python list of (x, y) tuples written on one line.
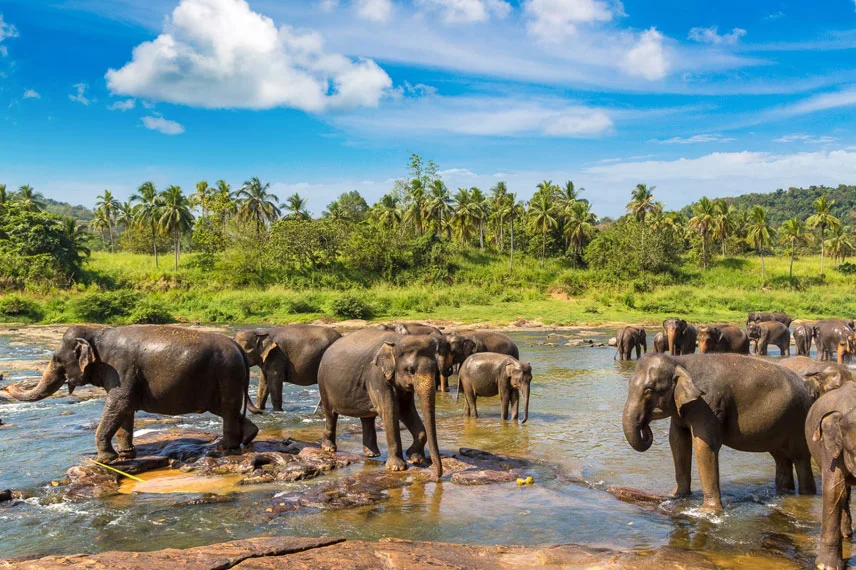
[(628, 339), (746, 403), (372, 372), (768, 317), (417, 328), (444, 350), (803, 335), (285, 354), (819, 377), (766, 333), (680, 335), (489, 341), (722, 338), (156, 369), (834, 335), (489, 374), (661, 343)]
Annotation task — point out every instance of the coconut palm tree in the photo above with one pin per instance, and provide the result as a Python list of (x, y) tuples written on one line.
[(438, 205), (542, 217), (100, 223), (792, 233), (109, 205), (642, 202), (29, 199), (125, 215), (463, 219), (256, 204), (823, 220), (297, 206), (3, 196), (723, 224), (202, 196), (759, 233), (479, 212), (499, 212), (580, 226), (146, 215), (703, 222), (222, 202), (77, 235), (175, 217), (415, 205), (387, 212), (839, 244)]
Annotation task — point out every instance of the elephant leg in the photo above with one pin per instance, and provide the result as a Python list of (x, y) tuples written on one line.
[(233, 431), (328, 440), (515, 404), (275, 387), (385, 403), (638, 350), (470, 396), (784, 473), (370, 448), (706, 445), (111, 420), (681, 442), (829, 549), (805, 475), (505, 400), (444, 383), (411, 420), (846, 520), (125, 438), (262, 396)]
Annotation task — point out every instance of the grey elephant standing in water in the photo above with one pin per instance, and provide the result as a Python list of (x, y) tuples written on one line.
[(766, 333), (490, 374), (156, 369), (629, 338), (803, 335), (680, 335)]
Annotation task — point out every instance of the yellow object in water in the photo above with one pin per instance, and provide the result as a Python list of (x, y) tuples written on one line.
[(530, 481), (521, 482), (128, 475)]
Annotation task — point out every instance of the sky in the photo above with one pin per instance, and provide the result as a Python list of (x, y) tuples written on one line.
[(325, 96)]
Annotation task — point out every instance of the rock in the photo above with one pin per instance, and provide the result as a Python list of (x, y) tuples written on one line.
[(612, 342), (5, 496), (636, 496), (483, 477)]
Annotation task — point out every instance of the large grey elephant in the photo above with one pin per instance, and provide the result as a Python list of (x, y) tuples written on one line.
[(373, 372), (156, 369), (680, 335), (489, 374), (803, 335), (819, 377), (629, 338), (722, 338), (766, 333), (285, 354), (769, 317), (835, 335), (661, 343), (746, 403)]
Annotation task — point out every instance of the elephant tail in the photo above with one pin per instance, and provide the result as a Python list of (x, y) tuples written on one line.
[(248, 403)]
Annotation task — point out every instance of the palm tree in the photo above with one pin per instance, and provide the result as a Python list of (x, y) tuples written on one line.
[(100, 223), (580, 226), (438, 205), (703, 222), (202, 196), (759, 233), (146, 212), (464, 215), (175, 216), (222, 202), (3, 196), (335, 212), (479, 211), (387, 211), (125, 215), (566, 197), (257, 204), (297, 206), (839, 244), (723, 221), (541, 217), (415, 207), (642, 202), (515, 210), (499, 211), (77, 235), (792, 233), (109, 205), (29, 199), (824, 220)]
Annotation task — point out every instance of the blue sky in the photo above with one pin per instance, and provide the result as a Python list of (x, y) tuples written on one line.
[(325, 96)]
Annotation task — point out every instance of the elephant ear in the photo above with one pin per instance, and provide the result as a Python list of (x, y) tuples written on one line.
[(84, 353), (469, 346), (829, 432), (385, 360), (265, 344), (686, 390), (509, 368), (401, 329), (813, 383)]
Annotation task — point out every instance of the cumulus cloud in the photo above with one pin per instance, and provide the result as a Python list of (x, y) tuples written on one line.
[(695, 139), (123, 105), (647, 59), (31, 94), (553, 20), (6, 31), (221, 54), (162, 125), (79, 96), (466, 11), (711, 36), (374, 10)]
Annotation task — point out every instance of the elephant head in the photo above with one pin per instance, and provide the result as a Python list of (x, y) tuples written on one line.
[(846, 346), (520, 378), (410, 365), (837, 432), (675, 329), (708, 338), (753, 331), (73, 362), (462, 347), (660, 387), (825, 380), (257, 344), (643, 338)]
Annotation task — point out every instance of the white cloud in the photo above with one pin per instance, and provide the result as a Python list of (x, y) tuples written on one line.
[(774, 15), (553, 20), (820, 102), (466, 11), (221, 54), (711, 36), (162, 125), (6, 31), (327, 6), (806, 139), (31, 94), (126, 105), (695, 139), (374, 10), (464, 172), (80, 94), (648, 58)]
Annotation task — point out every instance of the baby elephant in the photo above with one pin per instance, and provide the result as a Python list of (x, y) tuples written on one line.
[(488, 374), (766, 333)]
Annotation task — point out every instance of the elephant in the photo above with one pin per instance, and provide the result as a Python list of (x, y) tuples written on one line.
[(489, 374), (417, 328), (444, 349), (769, 317), (157, 369), (830, 430), (680, 335), (803, 335), (722, 338), (661, 343), (766, 333), (746, 403), (629, 338), (834, 335), (819, 377), (372, 372), (488, 341), (285, 354)]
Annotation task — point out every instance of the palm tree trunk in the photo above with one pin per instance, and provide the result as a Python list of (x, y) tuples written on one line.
[(723, 246), (822, 248), (155, 244), (112, 247), (176, 246), (511, 257), (481, 235), (791, 272), (763, 270), (543, 246), (704, 251)]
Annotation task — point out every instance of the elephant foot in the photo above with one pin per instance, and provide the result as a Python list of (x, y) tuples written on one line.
[(678, 493), (126, 454), (250, 432), (396, 464), (711, 508), (370, 452), (328, 445), (277, 408), (829, 558), (107, 456), (416, 458)]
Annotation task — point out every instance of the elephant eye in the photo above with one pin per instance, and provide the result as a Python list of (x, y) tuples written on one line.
[(648, 390), (411, 370)]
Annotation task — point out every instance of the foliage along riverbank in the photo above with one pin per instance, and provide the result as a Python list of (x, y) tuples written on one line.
[(126, 288)]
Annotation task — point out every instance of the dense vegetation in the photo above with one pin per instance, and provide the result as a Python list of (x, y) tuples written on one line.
[(420, 251)]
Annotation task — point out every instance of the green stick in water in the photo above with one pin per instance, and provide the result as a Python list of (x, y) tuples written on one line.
[(128, 475)]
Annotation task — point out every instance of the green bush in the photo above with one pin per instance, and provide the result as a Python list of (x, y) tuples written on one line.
[(102, 306), (17, 308), (150, 312), (847, 268), (301, 306), (351, 307), (221, 314)]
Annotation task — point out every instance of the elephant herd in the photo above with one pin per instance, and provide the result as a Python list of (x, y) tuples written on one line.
[(795, 409), (376, 371)]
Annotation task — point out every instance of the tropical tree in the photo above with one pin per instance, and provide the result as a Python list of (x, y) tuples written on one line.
[(479, 208), (438, 206), (579, 226), (108, 205), (723, 224), (499, 206), (823, 220), (759, 233), (3, 196), (222, 203), (125, 215), (703, 222), (146, 215), (415, 204), (542, 217), (100, 223), (202, 196), (256, 204), (515, 211), (387, 212), (792, 233), (297, 206), (77, 235), (641, 204), (29, 199), (839, 244), (463, 219), (175, 217)]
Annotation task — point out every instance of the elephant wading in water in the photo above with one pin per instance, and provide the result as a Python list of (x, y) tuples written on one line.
[(156, 369), (745, 403), (661, 343), (766, 333), (803, 335), (819, 377), (372, 373), (768, 317), (286, 354), (629, 338), (489, 374), (835, 335), (722, 338), (681, 336)]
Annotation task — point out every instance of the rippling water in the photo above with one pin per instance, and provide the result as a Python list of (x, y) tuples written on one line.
[(575, 424)]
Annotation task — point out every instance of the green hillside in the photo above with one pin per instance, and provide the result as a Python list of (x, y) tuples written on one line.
[(78, 212)]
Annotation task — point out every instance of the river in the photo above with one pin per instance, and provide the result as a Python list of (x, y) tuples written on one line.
[(575, 425)]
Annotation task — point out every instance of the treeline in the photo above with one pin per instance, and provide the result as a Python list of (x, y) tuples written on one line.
[(799, 202)]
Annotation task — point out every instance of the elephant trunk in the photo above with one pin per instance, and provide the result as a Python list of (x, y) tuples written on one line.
[(637, 428), (427, 394), (525, 394), (670, 335), (52, 380)]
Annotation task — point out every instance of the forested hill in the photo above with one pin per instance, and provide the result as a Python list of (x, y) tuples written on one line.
[(81, 213), (797, 203)]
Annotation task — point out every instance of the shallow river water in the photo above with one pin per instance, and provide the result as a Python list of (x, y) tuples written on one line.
[(575, 425)]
